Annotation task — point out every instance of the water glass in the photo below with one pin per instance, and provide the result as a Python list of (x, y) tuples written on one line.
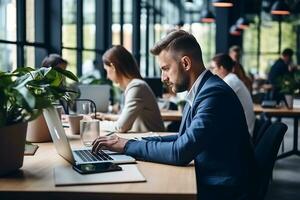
[(89, 131)]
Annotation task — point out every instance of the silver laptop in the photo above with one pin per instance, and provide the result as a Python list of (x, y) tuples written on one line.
[(82, 155), (97, 93)]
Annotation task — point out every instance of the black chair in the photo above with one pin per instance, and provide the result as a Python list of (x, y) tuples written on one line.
[(260, 127), (265, 154)]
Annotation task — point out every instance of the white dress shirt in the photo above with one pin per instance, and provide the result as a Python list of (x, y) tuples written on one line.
[(245, 98), (192, 93)]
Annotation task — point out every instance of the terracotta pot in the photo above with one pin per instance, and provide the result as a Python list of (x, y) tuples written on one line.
[(12, 145), (38, 131)]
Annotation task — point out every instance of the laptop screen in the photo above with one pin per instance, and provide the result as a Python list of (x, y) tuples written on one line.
[(58, 134)]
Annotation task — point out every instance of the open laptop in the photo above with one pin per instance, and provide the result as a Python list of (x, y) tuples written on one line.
[(97, 93), (82, 155)]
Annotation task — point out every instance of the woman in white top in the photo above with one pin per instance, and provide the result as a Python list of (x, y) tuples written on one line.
[(222, 66), (140, 112)]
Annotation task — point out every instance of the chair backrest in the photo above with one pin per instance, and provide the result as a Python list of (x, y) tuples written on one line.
[(265, 154), (260, 127)]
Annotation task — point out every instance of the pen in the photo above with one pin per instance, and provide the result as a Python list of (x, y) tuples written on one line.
[(110, 133)]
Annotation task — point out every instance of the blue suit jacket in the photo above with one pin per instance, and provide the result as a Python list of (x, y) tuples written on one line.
[(213, 133)]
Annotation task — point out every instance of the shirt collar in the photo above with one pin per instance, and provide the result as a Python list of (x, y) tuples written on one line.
[(192, 93)]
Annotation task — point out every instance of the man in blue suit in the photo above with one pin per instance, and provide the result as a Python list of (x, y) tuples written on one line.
[(213, 130)]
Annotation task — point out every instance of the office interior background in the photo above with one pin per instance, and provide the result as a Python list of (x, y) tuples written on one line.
[(81, 30)]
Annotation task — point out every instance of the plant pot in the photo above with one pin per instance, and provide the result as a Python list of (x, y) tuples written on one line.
[(289, 99), (12, 145), (38, 131)]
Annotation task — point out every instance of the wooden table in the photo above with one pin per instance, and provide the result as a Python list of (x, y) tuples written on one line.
[(35, 181), (171, 115), (167, 115), (288, 113)]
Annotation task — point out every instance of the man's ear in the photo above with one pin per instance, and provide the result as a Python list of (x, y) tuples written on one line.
[(186, 63)]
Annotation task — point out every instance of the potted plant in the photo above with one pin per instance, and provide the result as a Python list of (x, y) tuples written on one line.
[(290, 86), (23, 94)]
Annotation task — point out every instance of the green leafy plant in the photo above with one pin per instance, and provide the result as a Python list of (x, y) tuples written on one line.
[(26, 91), (290, 84)]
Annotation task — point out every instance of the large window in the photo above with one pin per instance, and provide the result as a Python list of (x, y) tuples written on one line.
[(259, 58), (205, 35), (8, 32), (69, 34), (79, 36), (19, 41), (122, 23)]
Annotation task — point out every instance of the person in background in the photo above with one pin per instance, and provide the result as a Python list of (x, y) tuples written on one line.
[(140, 112), (222, 66), (54, 60), (279, 69), (235, 53), (213, 131)]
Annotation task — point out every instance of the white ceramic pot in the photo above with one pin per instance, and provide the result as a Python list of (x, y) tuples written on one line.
[(289, 100)]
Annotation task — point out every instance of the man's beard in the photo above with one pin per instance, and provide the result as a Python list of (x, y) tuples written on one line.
[(182, 84)]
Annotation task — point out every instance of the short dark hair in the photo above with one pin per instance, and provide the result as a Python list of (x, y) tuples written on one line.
[(179, 42), (224, 60), (122, 60), (53, 60), (287, 52)]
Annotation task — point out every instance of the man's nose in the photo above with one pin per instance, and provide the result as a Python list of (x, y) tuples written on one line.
[(163, 77)]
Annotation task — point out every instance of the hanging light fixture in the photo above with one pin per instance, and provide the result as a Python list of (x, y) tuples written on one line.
[(207, 17), (222, 3), (242, 23), (280, 8), (235, 31)]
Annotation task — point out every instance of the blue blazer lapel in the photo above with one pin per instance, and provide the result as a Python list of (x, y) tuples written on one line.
[(185, 112), (188, 111)]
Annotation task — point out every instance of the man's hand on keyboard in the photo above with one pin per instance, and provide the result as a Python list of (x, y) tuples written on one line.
[(112, 143)]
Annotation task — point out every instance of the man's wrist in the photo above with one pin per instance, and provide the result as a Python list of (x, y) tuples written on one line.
[(127, 144)]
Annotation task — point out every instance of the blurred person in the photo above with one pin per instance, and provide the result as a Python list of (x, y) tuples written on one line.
[(222, 66), (278, 70), (140, 112), (54, 60), (235, 53)]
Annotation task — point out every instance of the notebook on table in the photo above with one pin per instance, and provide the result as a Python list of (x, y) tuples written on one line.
[(65, 176)]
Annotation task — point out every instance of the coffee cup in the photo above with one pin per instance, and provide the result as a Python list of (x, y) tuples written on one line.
[(74, 122)]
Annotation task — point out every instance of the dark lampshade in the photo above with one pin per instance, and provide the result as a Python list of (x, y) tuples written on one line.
[(207, 17), (280, 8), (235, 31), (242, 23), (222, 3)]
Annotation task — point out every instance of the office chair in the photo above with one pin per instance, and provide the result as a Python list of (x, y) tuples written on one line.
[(265, 154), (260, 127)]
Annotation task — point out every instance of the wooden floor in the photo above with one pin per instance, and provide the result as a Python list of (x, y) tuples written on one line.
[(286, 175)]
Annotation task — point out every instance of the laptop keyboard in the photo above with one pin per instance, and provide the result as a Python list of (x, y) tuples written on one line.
[(88, 156)]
